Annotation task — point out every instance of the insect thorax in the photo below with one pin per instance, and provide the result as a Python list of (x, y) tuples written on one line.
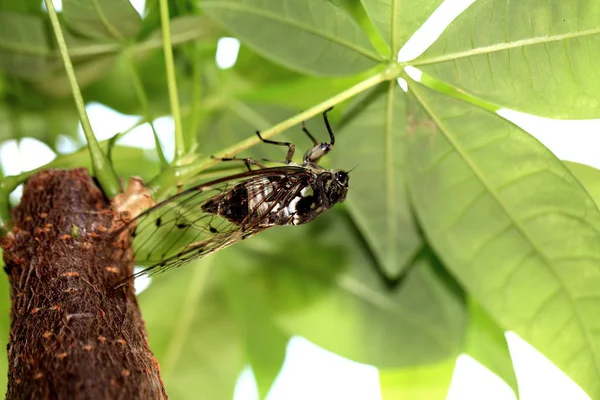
[(278, 200)]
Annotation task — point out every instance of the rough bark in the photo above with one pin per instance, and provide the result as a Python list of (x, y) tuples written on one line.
[(72, 335)]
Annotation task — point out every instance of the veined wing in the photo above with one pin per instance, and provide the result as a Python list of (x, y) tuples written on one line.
[(179, 229)]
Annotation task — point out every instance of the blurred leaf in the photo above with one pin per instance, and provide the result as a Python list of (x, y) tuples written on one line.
[(57, 85), (183, 29), (427, 382), (398, 20), (373, 142), (42, 124), (24, 45), (326, 41), (264, 342), (321, 284), (100, 19), (192, 334), (544, 66), (513, 225), (588, 176), (486, 343), (22, 6)]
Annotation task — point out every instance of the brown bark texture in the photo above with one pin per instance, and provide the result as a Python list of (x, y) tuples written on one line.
[(72, 335)]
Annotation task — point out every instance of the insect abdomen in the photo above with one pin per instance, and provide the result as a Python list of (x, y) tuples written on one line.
[(232, 205)]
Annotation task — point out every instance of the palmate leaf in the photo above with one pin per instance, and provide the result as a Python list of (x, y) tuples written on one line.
[(513, 225), (534, 56)]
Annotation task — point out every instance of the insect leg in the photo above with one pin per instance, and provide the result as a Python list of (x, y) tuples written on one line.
[(320, 149), (290, 146), (247, 161)]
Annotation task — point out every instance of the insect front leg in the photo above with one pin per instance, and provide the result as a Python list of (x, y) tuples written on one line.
[(320, 149), (290, 146), (247, 161)]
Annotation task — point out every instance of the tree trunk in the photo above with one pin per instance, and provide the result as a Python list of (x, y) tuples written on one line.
[(72, 335)]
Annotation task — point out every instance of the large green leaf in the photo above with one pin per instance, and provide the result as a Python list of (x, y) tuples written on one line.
[(321, 283), (397, 20), (428, 382), (101, 19), (535, 56), (512, 223), (192, 334), (486, 343), (310, 36), (373, 142)]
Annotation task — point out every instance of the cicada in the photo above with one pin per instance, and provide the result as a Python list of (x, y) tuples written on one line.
[(214, 215)]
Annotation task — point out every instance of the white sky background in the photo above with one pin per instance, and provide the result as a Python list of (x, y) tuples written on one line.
[(310, 372)]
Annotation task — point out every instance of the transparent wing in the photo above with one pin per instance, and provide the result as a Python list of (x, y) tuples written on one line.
[(177, 230)]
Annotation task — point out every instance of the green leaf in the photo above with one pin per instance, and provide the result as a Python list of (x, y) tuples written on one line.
[(513, 225), (300, 93), (544, 66), (486, 343), (191, 333), (588, 176), (373, 142), (45, 124), (310, 36), (397, 20), (322, 285), (101, 19), (265, 343), (428, 382), (56, 84), (24, 45)]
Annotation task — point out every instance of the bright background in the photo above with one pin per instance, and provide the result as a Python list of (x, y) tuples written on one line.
[(310, 372)]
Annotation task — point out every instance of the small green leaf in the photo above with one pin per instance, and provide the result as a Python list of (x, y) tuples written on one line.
[(513, 225), (427, 382), (101, 19), (544, 65), (486, 343), (373, 143), (398, 20), (311, 36)]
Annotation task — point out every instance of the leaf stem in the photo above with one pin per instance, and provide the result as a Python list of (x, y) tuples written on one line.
[(180, 175), (102, 169), (171, 80), (143, 100)]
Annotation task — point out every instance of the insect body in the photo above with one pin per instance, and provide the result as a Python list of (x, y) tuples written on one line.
[(217, 214)]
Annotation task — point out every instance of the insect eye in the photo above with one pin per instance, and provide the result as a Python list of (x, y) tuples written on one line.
[(341, 178)]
